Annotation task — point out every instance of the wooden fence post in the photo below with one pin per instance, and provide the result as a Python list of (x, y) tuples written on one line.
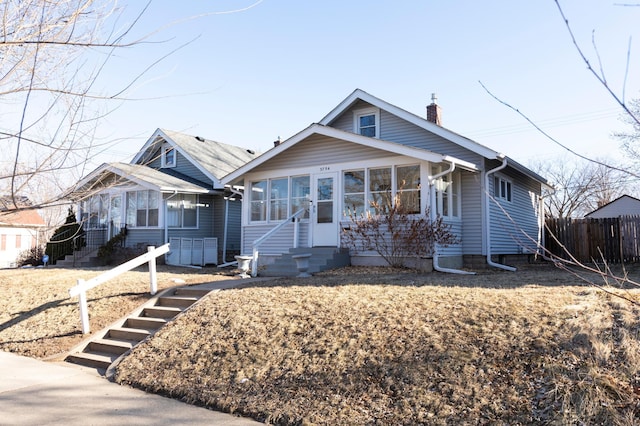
[(152, 272)]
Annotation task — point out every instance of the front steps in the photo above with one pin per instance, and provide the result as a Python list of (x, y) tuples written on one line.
[(109, 345), (322, 259)]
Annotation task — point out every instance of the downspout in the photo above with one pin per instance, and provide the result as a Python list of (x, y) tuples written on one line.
[(166, 222), (433, 213), (488, 214)]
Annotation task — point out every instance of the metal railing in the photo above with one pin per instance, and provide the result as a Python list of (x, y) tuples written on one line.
[(257, 243)]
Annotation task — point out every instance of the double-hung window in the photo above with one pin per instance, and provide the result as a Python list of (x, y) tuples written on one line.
[(300, 190), (279, 198), (142, 208), (367, 122), (380, 196), (182, 211), (502, 188), (447, 193), (168, 156), (353, 193)]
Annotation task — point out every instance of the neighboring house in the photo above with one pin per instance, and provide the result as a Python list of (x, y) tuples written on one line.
[(170, 192), (624, 205), (20, 229), (366, 148)]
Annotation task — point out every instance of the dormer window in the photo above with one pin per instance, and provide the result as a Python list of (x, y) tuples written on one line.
[(168, 156), (367, 122)]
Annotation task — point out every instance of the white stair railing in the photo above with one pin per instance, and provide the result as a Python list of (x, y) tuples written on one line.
[(257, 243), (81, 288)]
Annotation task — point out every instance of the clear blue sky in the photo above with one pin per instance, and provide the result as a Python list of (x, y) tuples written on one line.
[(248, 77)]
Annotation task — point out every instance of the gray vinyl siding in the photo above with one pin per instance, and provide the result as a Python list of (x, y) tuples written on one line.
[(183, 166), (145, 237), (455, 249), (394, 129), (319, 150), (510, 234), (233, 225), (279, 243), (472, 218)]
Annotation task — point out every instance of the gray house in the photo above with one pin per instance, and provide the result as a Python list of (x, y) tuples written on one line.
[(365, 147), (170, 192)]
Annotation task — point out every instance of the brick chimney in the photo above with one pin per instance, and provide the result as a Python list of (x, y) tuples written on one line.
[(434, 112)]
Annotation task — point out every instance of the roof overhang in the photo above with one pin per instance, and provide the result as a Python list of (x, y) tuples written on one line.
[(318, 129)]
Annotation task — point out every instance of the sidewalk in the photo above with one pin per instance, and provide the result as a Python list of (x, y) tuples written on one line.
[(33, 392)]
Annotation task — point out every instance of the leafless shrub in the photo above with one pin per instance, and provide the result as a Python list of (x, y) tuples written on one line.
[(396, 234)]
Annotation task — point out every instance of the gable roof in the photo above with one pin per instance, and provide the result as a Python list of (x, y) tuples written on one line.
[(21, 216), (141, 175), (361, 95), (213, 159), (319, 129), (624, 205)]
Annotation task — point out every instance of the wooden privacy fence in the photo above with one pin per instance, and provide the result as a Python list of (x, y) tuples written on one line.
[(614, 240)]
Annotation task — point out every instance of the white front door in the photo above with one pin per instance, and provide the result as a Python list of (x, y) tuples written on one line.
[(324, 211)]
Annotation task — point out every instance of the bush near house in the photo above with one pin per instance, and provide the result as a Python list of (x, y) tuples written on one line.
[(395, 232)]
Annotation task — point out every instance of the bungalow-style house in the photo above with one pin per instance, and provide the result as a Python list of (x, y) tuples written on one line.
[(366, 147), (20, 229), (624, 205), (170, 192)]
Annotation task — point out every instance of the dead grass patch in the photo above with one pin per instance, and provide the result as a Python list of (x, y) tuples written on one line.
[(40, 320), (362, 346)]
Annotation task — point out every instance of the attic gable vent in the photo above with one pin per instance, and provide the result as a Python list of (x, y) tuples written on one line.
[(200, 138)]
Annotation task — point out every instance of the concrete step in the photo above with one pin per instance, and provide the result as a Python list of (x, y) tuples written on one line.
[(165, 312), (177, 301), (145, 323), (128, 333), (111, 346), (100, 360)]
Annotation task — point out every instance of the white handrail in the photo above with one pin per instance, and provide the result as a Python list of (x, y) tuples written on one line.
[(81, 288), (256, 244)]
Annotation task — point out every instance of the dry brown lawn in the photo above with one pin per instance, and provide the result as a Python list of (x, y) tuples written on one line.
[(384, 346), (38, 319), (363, 346)]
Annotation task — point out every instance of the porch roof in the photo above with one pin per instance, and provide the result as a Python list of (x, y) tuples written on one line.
[(111, 174), (319, 129)]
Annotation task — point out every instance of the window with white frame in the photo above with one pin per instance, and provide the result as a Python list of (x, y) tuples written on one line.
[(142, 208), (376, 189), (182, 211), (408, 188), (94, 211), (367, 122), (168, 156), (259, 201), (284, 196), (502, 188), (447, 193), (380, 195), (300, 190), (353, 192)]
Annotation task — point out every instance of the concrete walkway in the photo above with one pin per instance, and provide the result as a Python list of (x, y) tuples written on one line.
[(33, 392)]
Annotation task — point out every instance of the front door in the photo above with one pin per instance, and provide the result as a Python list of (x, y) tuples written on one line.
[(324, 213)]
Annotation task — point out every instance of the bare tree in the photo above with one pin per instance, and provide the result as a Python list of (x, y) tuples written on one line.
[(54, 90), (580, 186)]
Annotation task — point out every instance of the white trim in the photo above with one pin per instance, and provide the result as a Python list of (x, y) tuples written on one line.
[(358, 113), (359, 94), (160, 135), (497, 191), (392, 147), (165, 149)]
